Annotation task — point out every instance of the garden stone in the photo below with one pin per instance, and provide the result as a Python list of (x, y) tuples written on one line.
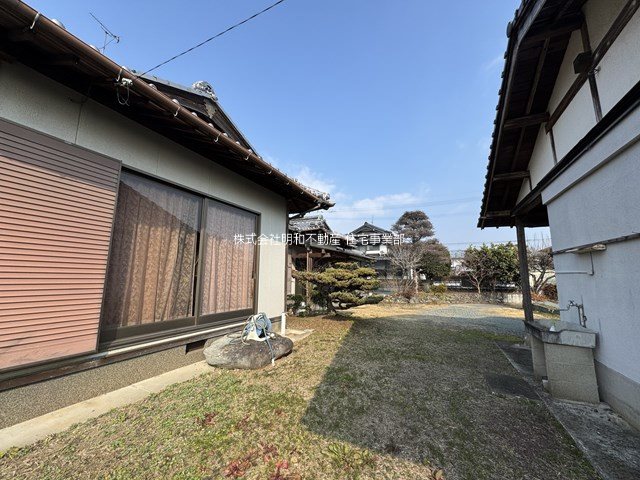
[(230, 352)]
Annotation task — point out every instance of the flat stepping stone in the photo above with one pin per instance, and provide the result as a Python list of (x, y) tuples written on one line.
[(297, 335)]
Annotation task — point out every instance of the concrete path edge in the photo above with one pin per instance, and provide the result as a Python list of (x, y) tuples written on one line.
[(30, 431)]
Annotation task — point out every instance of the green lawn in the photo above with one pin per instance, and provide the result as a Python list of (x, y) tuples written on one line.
[(393, 397)]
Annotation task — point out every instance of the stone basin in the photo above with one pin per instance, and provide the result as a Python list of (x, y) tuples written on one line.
[(562, 333), (563, 357)]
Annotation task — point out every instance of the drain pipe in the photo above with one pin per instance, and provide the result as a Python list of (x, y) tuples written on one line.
[(283, 324)]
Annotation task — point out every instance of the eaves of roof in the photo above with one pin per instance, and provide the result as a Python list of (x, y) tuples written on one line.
[(537, 40), (28, 37)]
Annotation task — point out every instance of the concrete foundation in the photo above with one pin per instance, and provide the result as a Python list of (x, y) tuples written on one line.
[(537, 354), (622, 393), (23, 403), (571, 373)]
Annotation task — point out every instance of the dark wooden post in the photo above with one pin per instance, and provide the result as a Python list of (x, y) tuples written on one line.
[(524, 272), (308, 285)]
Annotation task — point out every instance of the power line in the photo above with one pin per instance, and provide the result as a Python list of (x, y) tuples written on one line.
[(532, 240), (391, 206), (395, 217), (108, 34), (213, 37)]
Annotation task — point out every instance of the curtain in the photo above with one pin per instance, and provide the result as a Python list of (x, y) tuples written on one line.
[(153, 252), (229, 254)]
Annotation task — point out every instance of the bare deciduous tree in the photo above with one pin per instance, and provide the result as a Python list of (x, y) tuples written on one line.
[(476, 267), (540, 268), (406, 257)]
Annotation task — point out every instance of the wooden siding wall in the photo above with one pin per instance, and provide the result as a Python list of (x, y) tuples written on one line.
[(56, 211)]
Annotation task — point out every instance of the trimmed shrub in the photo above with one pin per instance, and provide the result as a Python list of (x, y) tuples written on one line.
[(373, 299), (438, 289), (294, 302)]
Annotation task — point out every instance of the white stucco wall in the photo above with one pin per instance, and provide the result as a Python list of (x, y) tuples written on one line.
[(620, 67), (575, 122), (619, 71), (599, 15), (541, 162), (542, 157), (566, 76), (37, 102), (595, 200)]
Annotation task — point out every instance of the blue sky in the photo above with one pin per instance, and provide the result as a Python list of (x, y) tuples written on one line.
[(388, 105)]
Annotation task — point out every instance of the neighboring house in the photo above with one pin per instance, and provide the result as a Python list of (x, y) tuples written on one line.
[(565, 154), (457, 263), (313, 243), (456, 277), (374, 242), (121, 198)]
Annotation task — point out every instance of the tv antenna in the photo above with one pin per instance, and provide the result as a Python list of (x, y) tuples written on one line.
[(109, 36)]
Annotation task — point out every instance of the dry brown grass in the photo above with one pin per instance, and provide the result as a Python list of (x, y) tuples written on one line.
[(372, 398)]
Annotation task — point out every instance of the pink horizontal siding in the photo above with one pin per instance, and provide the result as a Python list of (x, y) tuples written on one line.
[(56, 211)]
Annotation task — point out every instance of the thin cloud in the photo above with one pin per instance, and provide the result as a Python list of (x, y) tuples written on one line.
[(346, 216), (312, 179), (493, 64)]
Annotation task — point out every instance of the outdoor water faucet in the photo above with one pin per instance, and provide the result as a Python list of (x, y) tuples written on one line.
[(581, 316)]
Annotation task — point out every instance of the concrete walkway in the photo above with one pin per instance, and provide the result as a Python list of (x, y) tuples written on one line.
[(31, 431), (608, 441)]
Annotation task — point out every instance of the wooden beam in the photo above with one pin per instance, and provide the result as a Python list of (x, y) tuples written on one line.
[(532, 95), (527, 305), (593, 85), (618, 25), (526, 121), (504, 177), (561, 28), (498, 213)]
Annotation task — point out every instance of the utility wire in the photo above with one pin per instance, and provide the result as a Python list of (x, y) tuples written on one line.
[(213, 38), (415, 203), (479, 242), (107, 34)]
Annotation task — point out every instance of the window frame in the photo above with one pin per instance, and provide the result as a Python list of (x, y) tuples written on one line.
[(122, 336)]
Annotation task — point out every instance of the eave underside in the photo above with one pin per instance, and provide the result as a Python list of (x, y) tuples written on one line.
[(532, 65)]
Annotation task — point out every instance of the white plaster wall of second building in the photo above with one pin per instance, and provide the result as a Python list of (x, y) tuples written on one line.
[(541, 162), (37, 102), (575, 122), (610, 299), (566, 75), (619, 69), (600, 15), (601, 206)]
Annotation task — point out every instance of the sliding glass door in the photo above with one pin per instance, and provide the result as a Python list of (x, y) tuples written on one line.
[(228, 260), (163, 240)]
